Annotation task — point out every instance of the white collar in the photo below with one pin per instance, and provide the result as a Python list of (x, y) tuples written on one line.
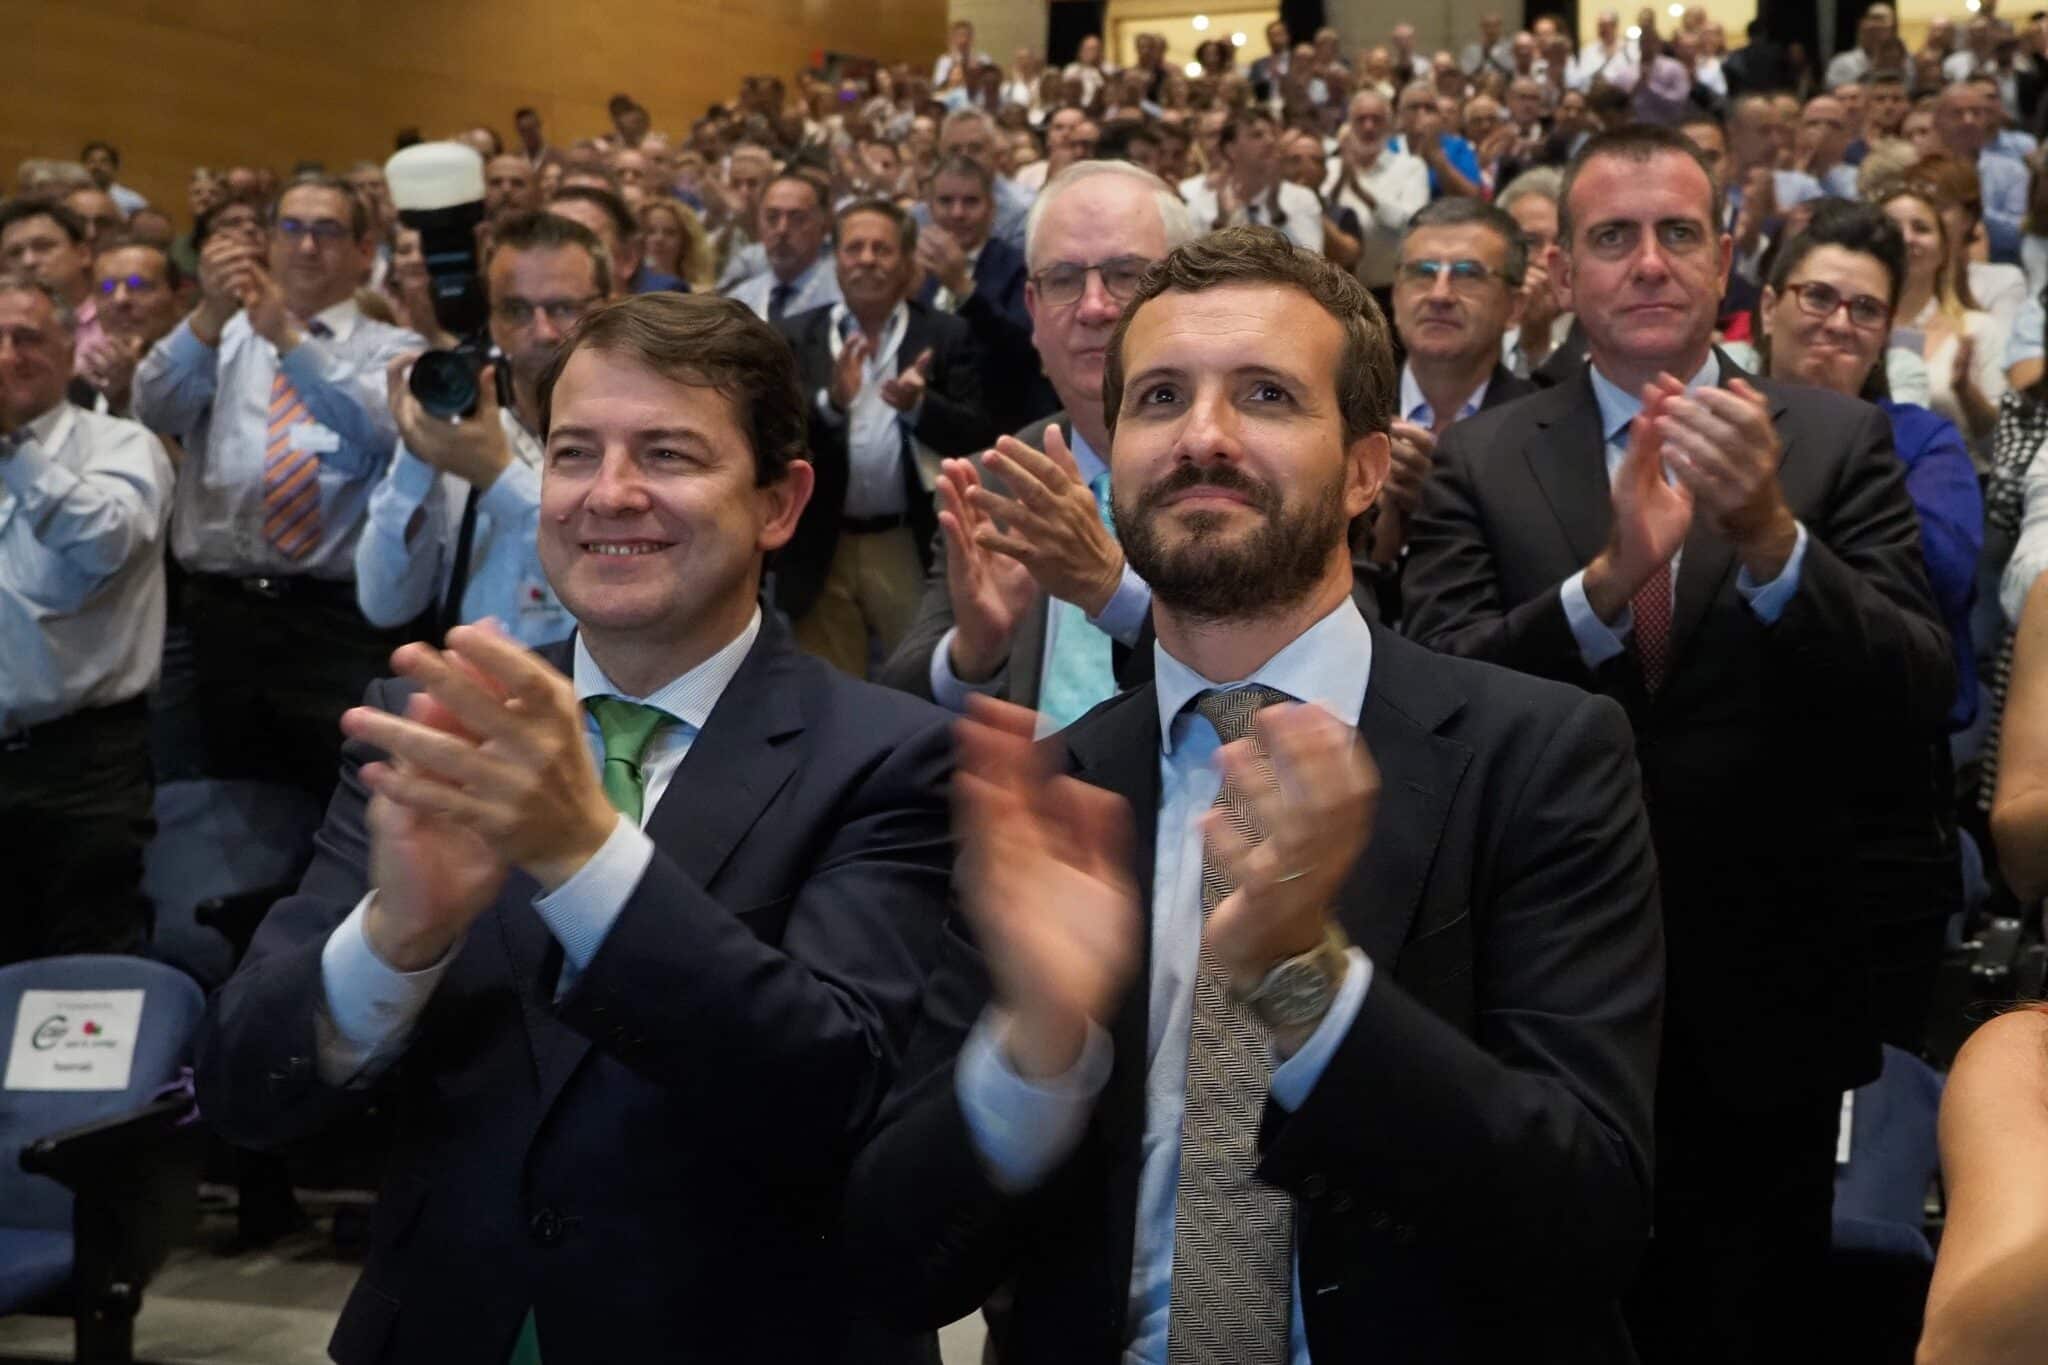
[(689, 697), (1412, 396), (1327, 664)]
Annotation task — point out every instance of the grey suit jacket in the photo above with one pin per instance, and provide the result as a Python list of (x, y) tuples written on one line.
[(909, 669)]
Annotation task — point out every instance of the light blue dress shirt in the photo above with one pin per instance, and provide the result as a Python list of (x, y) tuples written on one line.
[(1013, 212), (217, 401), (1415, 408), (83, 504), (2002, 185), (403, 569), (817, 286), (1024, 1129), (1121, 618), (368, 1009), (1598, 642)]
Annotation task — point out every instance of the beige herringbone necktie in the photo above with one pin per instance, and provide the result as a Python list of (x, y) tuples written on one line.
[(1233, 1237)]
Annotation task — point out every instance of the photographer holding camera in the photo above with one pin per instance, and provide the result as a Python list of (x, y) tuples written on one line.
[(453, 524)]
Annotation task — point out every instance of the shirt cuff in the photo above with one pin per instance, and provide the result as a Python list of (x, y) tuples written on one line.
[(1294, 1078), (366, 1008), (829, 415), (513, 496), (1768, 600), (305, 364), (1123, 616), (582, 910), (1020, 1128), (412, 478), (33, 477), (185, 350), (1598, 642), (948, 690)]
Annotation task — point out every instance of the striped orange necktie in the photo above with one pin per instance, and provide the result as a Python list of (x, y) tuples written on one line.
[(291, 478)]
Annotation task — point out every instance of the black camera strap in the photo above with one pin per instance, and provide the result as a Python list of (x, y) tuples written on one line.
[(458, 576)]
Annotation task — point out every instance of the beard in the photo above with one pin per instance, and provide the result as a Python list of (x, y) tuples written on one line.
[(1213, 577)]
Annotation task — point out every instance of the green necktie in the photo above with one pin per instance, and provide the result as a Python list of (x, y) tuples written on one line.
[(526, 1350), (626, 727)]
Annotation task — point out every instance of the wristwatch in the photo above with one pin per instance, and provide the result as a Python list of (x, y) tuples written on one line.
[(1299, 990)]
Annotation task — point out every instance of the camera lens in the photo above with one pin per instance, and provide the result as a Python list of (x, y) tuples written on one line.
[(445, 383)]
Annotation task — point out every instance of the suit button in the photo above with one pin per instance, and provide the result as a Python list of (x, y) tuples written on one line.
[(546, 1227), (1341, 1204), (1314, 1187), (1404, 1235), (1381, 1221)]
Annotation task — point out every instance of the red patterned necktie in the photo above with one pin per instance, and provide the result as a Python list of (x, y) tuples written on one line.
[(1651, 607)]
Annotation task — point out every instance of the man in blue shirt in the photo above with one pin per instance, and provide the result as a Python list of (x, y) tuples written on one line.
[(1453, 162), (452, 525), (1963, 124), (1292, 1040)]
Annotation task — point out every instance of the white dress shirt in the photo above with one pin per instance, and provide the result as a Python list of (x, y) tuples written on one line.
[(1299, 206), (1398, 183), (1023, 1129), (876, 432), (368, 1009), (217, 401), (83, 504), (406, 554)]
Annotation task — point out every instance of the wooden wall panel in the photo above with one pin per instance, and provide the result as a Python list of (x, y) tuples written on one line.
[(180, 83)]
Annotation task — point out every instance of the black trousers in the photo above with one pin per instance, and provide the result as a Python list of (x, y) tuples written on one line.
[(1743, 1217), (75, 816), (274, 664)]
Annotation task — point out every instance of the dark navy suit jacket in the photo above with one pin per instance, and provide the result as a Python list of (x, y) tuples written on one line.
[(652, 1162)]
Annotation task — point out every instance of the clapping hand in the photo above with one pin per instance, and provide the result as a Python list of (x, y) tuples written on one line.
[(990, 591), (1651, 514), (1311, 789), (1045, 880), (1724, 448), (906, 390), (1048, 521), (513, 768)]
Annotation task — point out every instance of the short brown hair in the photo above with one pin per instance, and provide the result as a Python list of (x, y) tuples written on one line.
[(1262, 255), (906, 226), (1639, 143), (543, 231), (708, 340), (358, 209)]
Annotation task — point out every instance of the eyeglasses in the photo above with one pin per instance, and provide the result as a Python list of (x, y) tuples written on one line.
[(1818, 300), (561, 312), (136, 284), (1466, 275), (325, 231), (1063, 284)]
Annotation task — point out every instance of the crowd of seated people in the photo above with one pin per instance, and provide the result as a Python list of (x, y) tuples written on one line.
[(1550, 528)]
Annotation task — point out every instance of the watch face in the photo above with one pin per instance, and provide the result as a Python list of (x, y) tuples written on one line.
[(1293, 993)]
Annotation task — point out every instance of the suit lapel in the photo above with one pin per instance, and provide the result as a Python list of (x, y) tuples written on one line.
[(1117, 749), (1569, 463), (917, 332), (1419, 775), (735, 766)]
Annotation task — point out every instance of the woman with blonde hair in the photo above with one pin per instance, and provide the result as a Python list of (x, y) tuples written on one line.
[(673, 237), (1962, 346)]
